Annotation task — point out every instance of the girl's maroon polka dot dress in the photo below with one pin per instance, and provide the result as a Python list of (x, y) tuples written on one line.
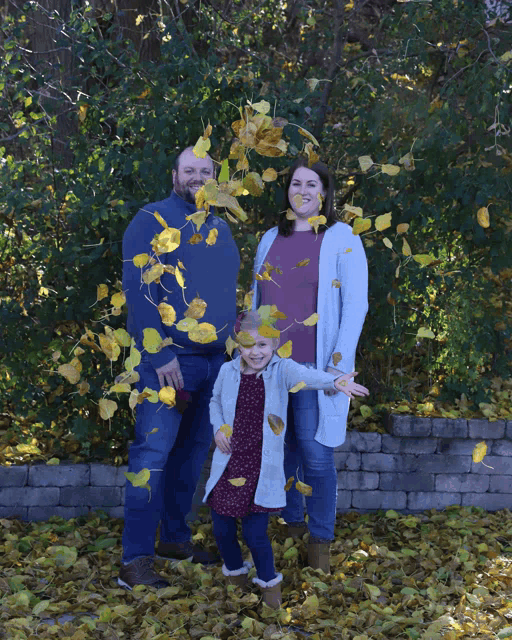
[(245, 460)]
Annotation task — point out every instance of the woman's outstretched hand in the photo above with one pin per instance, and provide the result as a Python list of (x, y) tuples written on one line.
[(222, 442), (346, 385)]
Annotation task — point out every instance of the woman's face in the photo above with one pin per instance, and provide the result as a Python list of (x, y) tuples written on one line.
[(304, 193), (258, 356)]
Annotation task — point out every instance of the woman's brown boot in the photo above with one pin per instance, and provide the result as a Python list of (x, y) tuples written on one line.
[(297, 529), (271, 591), (318, 555), (238, 577)]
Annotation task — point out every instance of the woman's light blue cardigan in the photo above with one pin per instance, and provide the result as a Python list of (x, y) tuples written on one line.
[(279, 376), (341, 313)]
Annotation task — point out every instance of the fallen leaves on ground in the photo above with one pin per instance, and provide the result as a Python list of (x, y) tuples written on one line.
[(437, 575)]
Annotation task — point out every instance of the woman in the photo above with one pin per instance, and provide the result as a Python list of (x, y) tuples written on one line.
[(324, 272)]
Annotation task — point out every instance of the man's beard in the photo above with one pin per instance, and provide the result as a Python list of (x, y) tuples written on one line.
[(185, 192)]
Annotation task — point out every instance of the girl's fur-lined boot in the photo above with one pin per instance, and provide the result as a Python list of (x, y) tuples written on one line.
[(318, 555), (271, 591), (238, 577)]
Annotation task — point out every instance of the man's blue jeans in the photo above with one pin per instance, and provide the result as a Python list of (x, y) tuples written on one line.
[(314, 463), (174, 454), (254, 530)]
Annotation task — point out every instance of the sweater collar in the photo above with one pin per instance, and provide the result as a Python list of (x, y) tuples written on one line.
[(187, 208)]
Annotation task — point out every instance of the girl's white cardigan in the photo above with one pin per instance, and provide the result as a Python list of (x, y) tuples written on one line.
[(341, 313)]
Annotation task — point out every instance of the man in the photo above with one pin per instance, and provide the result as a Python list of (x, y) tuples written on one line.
[(171, 444)]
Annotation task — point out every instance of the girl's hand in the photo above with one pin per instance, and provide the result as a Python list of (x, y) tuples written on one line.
[(350, 388), (223, 442)]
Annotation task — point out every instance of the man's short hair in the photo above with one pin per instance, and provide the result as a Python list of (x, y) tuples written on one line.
[(176, 166)]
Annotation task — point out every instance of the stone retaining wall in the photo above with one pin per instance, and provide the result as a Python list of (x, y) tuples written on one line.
[(423, 463)]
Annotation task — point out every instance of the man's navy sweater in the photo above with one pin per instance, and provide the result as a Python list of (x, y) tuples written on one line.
[(210, 273)]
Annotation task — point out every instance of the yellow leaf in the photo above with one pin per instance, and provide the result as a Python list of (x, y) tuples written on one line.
[(160, 220), (245, 339), (166, 241), (56, 355), (425, 332), (208, 131), (138, 479), (231, 345), (150, 394), (366, 411), (195, 239), (276, 423), (423, 258), (196, 309), (479, 452), (262, 107), (186, 324), (83, 388), (297, 200), (309, 136), (383, 222), (402, 227), (151, 340), (198, 219), (201, 147), (482, 216), (365, 162), (336, 358), (387, 242), (82, 112), (167, 313), (107, 408), (101, 292), (407, 161), (406, 249), (179, 278), (167, 395), (75, 362), (122, 337), (253, 183), (274, 311), (290, 214), (311, 320), (303, 488), (141, 259), (134, 359), (269, 175), (132, 400), (300, 385), (316, 221), (268, 332), (28, 448), (69, 372), (203, 333), (212, 237), (285, 350), (238, 482), (121, 387), (336, 283), (360, 225), (390, 169), (109, 346), (289, 483), (118, 299), (353, 211), (226, 430), (506, 57), (153, 274)]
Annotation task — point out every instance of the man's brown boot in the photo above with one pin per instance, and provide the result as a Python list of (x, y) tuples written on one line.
[(318, 555), (140, 571)]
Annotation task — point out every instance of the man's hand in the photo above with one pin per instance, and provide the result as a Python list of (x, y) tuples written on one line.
[(335, 372), (169, 375), (223, 442), (349, 387)]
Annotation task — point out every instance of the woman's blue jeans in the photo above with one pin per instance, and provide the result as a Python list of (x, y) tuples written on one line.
[(173, 446), (314, 464), (254, 530)]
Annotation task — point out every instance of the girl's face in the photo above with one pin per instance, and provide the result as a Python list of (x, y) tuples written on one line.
[(258, 356), (306, 184)]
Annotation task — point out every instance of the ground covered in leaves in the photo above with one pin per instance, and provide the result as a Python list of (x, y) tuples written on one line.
[(436, 575)]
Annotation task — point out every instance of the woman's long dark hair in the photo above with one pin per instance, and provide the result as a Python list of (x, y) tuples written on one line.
[(285, 226)]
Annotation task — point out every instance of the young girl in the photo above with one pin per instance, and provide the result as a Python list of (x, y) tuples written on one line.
[(251, 396)]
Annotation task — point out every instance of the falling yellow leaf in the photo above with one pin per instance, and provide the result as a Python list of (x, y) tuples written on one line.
[(423, 258), (300, 385), (336, 358), (107, 408), (387, 243), (141, 259), (195, 239), (101, 292), (197, 218), (262, 107), (186, 324), (122, 337), (285, 350), (297, 200), (69, 372), (138, 479), (290, 214), (167, 313), (390, 169), (160, 219), (390, 299), (82, 112), (150, 394), (276, 423), (403, 227), (196, 309), (238, 482), (253, 183), (226, 430), (245, 339), (316, 221), (151, 340), (360, 225), (109, 346), (166, 241), (208, 131), (201, 147), (309, 136), (482, 216), (353, 211), (365, 162), (336, 283), (83, 388), (118, 299), (121, 387), (407, 161), (479, 452), (231, 345), (268, 332), (179, 278), (311, 320), (153, 274), (303, 488), (289, 483), (203, 333), (383, 222), (406, 249), (269, 175), (53, 461), (212, 237), (167, 395), (75, 362)]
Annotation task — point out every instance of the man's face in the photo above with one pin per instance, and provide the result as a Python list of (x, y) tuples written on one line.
[(192, 173)]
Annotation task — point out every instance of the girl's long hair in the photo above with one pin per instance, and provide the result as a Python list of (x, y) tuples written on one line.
[(285, 226)]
